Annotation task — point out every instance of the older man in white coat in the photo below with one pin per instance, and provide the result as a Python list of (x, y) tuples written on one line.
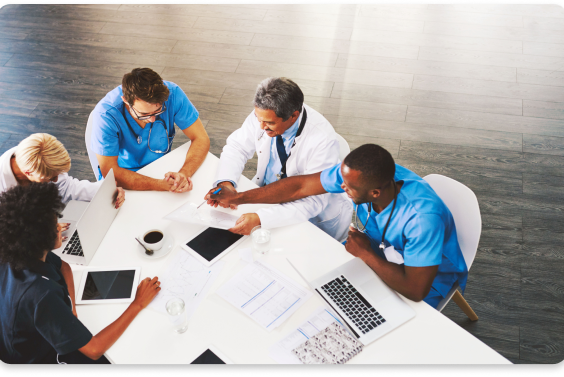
[(290, 138), (42, 158)]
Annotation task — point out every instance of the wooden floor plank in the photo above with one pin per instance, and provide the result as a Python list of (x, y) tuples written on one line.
[(437, 40), (278, 28), (509, 33), (543, 109), (543, 49), (544, 23), (69, 12), (539, 10), (339, 46), (11, 106), (104, 40), (540, 77), (274, 54), (197, 10), (187, 34), (358, 76), (40, 23), (350, 9), (436, 14), (543, 144), (498, 59), (428, 98), (239, 81), (13, 32), (491, 88), (543, 345), (486, 121), (424, 67)]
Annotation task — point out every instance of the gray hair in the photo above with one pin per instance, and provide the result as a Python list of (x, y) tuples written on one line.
[(279, 94)]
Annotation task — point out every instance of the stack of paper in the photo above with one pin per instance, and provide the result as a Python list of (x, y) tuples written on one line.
[(264, 294), (190, 213)]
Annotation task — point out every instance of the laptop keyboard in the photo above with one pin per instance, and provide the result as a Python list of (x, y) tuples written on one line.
[(74, 247), (350, 301)]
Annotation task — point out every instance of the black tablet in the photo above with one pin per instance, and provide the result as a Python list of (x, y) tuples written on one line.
[(211, 244)]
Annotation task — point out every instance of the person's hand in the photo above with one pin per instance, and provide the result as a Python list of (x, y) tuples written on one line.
[(225, 198), (245, 224), (146, 292), (224, 186), (61, 227), (179, 182), (74, 311), (358, 243), (119, 197)]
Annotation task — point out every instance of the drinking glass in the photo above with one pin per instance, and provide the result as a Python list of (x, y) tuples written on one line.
[(261, 239), (177, 314)]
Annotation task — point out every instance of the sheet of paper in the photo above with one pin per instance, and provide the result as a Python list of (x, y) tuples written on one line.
[(246, 255), (264, 294), (186, 278), (205, 215), (318, 321)]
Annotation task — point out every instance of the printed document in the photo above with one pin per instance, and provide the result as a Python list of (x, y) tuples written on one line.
[(185, 277), (264, 294), (205, 215), (318, 321)]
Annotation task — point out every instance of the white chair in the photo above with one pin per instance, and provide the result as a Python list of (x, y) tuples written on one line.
[(91, 154), (344, 148), (463, 206)]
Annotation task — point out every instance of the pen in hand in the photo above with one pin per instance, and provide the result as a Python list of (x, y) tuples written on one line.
[(215, 192)]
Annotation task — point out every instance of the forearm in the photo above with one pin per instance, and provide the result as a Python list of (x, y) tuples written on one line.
[(196, 155), (131, 180), (283, 191), (394, 275), (67, 275), (102, 341)]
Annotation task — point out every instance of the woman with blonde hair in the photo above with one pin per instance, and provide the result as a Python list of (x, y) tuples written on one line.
[(42, 158)]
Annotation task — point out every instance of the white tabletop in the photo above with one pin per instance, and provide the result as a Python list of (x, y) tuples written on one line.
[(428, 338)]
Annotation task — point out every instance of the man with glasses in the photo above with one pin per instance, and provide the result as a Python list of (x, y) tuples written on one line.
[(133, 125)]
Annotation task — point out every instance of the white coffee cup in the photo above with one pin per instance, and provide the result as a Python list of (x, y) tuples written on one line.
[(153, 239)]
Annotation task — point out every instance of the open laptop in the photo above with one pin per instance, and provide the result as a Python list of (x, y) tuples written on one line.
[(368, 307), (89, 223)]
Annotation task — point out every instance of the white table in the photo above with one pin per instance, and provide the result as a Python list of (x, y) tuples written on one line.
[(428, 338)]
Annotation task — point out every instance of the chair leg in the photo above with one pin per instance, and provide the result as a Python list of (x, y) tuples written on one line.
[(462, 304)]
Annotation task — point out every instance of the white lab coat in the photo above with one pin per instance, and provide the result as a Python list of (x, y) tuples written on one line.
[(69, 188), (316, 149)]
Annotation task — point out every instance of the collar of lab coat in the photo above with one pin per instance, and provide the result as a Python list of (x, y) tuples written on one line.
[(7, 177)]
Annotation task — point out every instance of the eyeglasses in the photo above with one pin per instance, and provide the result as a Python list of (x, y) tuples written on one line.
[(145, 117), (159, 122)]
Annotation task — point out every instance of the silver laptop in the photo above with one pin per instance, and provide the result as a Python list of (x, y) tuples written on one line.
[(368, 307), (89, 223)]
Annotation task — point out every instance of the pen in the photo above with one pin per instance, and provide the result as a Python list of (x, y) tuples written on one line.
[(215, 192)]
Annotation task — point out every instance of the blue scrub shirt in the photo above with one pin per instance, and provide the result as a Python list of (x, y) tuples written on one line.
[(111, 135), (422, 229)]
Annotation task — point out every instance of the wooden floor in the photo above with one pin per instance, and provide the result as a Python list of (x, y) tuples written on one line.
[(474, 92)]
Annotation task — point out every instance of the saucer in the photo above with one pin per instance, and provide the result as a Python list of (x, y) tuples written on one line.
[(167, 247)]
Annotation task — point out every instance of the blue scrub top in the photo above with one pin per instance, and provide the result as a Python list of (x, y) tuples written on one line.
[(422, 228), (36, 319), (111, 135)]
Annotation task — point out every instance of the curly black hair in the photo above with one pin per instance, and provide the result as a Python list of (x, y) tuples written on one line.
[(28, 223)]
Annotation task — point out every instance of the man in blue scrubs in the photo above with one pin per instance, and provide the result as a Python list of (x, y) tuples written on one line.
[(401, 229), (133, 125)]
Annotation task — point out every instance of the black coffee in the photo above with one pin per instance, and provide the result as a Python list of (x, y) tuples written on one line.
[(153, 237)]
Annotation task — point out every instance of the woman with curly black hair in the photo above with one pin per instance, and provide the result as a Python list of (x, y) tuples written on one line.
[(38, 321)]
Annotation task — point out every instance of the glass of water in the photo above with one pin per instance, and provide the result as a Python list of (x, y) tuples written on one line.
[(261, 239), (177, 314)]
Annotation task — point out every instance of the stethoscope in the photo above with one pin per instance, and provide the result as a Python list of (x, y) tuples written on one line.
[(357, 227), (140, 139)]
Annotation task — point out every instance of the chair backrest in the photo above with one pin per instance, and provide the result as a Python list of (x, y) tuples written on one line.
[(344, 148), (91, 154), (463, 206)]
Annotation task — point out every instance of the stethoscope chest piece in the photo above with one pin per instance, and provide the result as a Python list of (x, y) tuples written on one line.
[(139, 139)]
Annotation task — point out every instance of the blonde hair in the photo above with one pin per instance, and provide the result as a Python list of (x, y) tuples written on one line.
[(42, 154)]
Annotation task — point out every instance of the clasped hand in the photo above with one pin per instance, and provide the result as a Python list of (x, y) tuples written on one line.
[(358, 243), (179, 182)]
